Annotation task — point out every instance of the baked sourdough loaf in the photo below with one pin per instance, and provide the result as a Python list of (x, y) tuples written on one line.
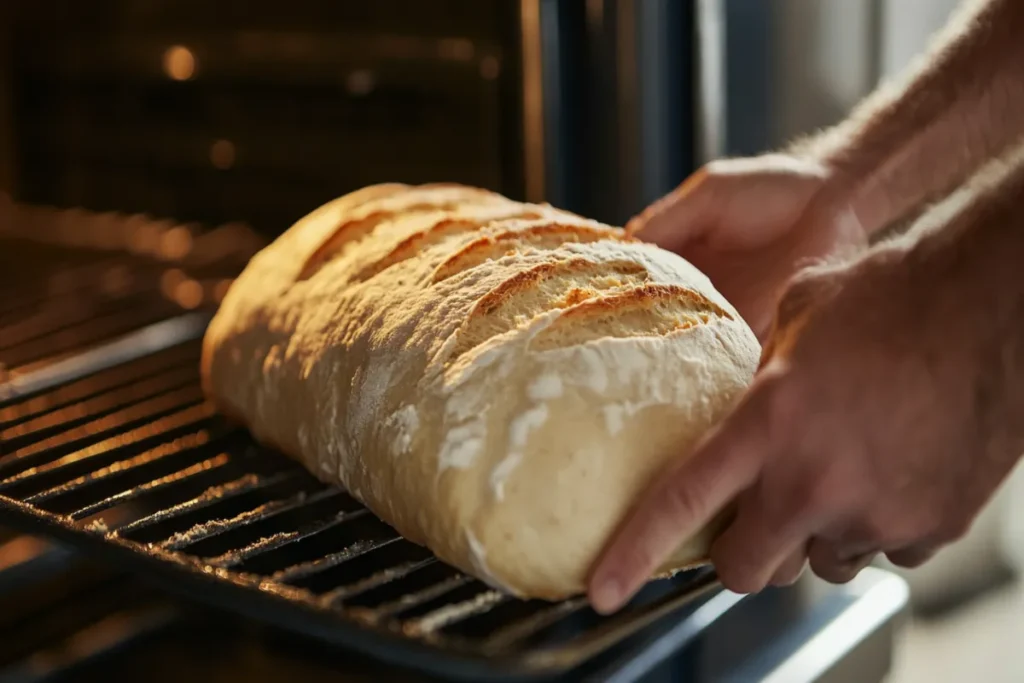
[(498, 381)]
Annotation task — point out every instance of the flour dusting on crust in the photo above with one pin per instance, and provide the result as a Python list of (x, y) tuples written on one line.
[(495, 393)]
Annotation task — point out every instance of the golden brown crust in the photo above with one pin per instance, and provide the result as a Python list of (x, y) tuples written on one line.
[(352, 231), (365, 196), (527, 278), (549, 235), (646, 311), (646, 296), (411, 245), (357, 228), (545, 287), (517, 283), (355, 380)]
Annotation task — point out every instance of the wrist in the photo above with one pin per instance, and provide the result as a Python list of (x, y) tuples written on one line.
[(853, 181), (837, 204), (967, 275), (848, 190)]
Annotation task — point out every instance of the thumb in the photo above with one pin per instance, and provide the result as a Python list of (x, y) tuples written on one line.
[(682, 502), (679, 217)]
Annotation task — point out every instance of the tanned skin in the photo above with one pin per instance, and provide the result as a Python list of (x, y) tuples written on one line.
[(890, 401)]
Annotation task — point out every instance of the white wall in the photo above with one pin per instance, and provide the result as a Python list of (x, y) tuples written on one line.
[(907, 26), (822, 62), (822, 57)]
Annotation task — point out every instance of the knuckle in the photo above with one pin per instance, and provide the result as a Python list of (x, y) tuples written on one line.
[(870, 530), (828, 567), (892, 529), (807, 290), (800, 295), (802, 286), (790, 571), (788, 577), (737, 577), (822, 567), (737, 567), (910, 558)]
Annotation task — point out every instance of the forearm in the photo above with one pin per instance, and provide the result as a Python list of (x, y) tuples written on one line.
[(969, 271), (912, 142)]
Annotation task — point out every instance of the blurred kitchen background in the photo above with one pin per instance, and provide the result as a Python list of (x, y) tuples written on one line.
[(259, 111)]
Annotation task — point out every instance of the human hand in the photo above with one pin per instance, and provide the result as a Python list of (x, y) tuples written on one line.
[(750, 224), (868, 430)]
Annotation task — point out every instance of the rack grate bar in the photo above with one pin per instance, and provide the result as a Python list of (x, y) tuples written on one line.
[(547, 616), (339, 595), (307, 569), (263, 513), (105, 408), (196, 445), (414, 599), (212, 496), (92, 387), (140, 416), (110, 449), (192, 472), (54, 424), (51, 319), (453, 613), (234, 558), (142, 343), (205, 530), (26, 358)]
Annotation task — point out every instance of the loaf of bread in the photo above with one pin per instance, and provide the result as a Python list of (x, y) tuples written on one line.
[(498, 381)]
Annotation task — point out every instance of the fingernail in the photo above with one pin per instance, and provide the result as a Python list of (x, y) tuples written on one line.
[(607, 596)]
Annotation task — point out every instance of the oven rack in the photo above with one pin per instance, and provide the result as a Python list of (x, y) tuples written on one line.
[(108, 444)]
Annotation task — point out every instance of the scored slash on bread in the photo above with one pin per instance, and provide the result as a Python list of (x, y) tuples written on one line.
[(355, 229), (437, 233), (649, 310), (497, 380), (543, 236), (544, 287)]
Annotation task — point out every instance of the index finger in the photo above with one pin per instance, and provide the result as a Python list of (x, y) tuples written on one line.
[(680, 504), (679, 215)]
